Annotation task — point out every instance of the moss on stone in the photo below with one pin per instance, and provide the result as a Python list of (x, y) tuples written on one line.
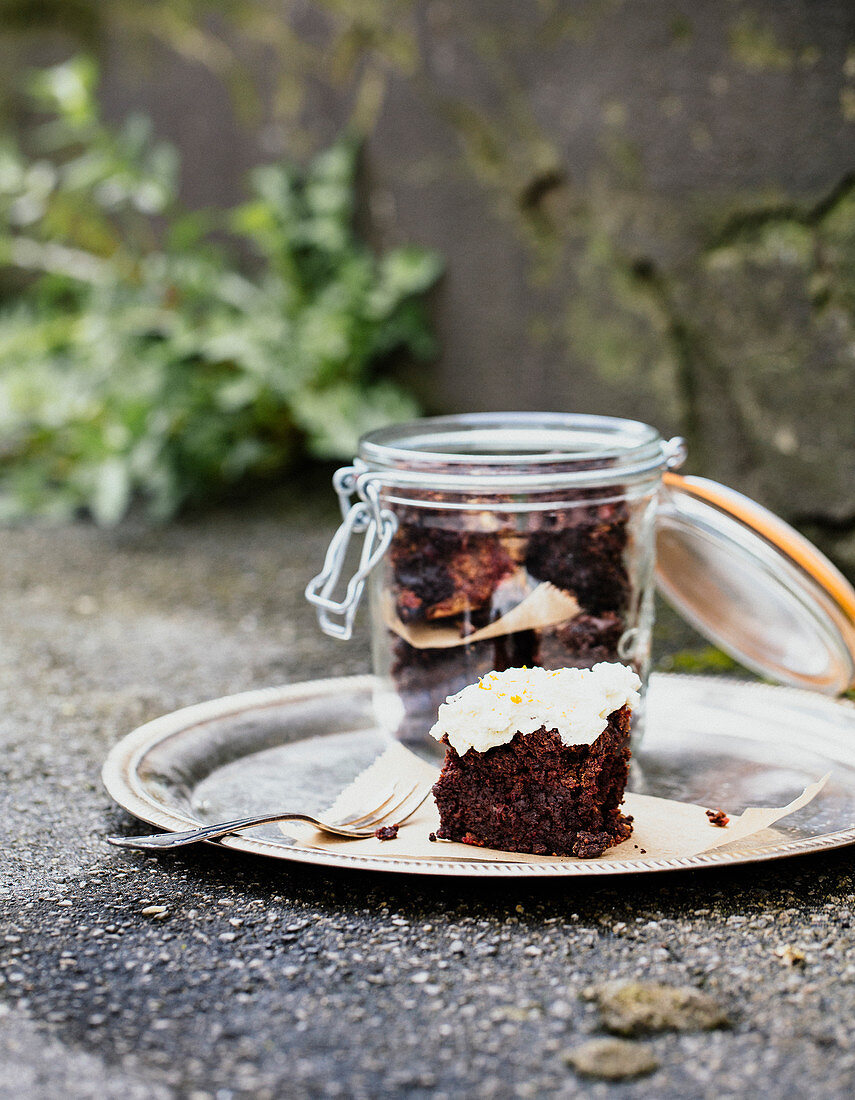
[(681, 31), (618, 324), (755, 46), (707, 659)]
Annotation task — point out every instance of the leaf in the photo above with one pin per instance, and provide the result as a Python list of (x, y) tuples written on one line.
[(336, 164), (112, 492), (69, 88), (402, 274), (410, 270)]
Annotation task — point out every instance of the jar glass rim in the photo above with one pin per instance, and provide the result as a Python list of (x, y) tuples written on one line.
[(514, 443)]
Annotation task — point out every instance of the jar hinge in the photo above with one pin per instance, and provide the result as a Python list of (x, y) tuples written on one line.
[(379, 526)]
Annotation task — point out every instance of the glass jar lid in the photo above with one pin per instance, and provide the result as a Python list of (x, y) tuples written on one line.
[(504, 452), (754, 586)]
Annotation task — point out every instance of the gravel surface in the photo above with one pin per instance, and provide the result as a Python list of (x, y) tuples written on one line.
[(211, 975)]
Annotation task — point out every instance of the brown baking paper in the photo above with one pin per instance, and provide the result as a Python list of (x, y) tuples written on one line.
[(662, 828), (545, 605)]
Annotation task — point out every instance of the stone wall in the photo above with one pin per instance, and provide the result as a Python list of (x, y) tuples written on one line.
[(647, 206)]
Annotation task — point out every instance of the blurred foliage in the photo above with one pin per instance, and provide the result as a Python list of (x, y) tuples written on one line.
[(266, 52), (139, 360)]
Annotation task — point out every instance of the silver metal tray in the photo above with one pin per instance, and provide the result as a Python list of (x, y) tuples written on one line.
[(710, 741)]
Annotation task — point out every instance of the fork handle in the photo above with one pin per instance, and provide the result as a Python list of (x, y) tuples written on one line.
[(162, 841)]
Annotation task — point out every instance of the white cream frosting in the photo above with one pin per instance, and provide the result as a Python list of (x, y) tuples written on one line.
[(576, 702)]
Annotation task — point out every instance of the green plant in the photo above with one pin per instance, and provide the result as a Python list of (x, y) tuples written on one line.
[(139, 360)]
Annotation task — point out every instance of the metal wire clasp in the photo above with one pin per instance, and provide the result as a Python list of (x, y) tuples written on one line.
[(378, 524)]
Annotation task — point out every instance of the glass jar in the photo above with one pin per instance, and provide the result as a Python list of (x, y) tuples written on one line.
[(495, 541)]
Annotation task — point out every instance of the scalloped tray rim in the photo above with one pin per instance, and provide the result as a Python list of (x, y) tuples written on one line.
[(121, 777)]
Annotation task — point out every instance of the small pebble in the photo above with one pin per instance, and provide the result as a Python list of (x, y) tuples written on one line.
[(643, 1008), (154, 910), (612, 1059), (790, 955)]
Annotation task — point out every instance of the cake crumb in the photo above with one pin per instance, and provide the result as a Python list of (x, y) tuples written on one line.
[(387, 832), (432, 837), (718, 817)]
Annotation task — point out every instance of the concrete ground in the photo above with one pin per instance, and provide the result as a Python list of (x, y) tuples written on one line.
[(264, 980)]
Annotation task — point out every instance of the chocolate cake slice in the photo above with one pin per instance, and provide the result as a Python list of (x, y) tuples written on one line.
[(537, 760)]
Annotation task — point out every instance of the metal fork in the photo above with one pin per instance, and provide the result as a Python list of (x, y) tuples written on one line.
[(393, 808)]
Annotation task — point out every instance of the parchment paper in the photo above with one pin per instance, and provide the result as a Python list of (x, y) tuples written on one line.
[(545, 605), (662, 828)]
